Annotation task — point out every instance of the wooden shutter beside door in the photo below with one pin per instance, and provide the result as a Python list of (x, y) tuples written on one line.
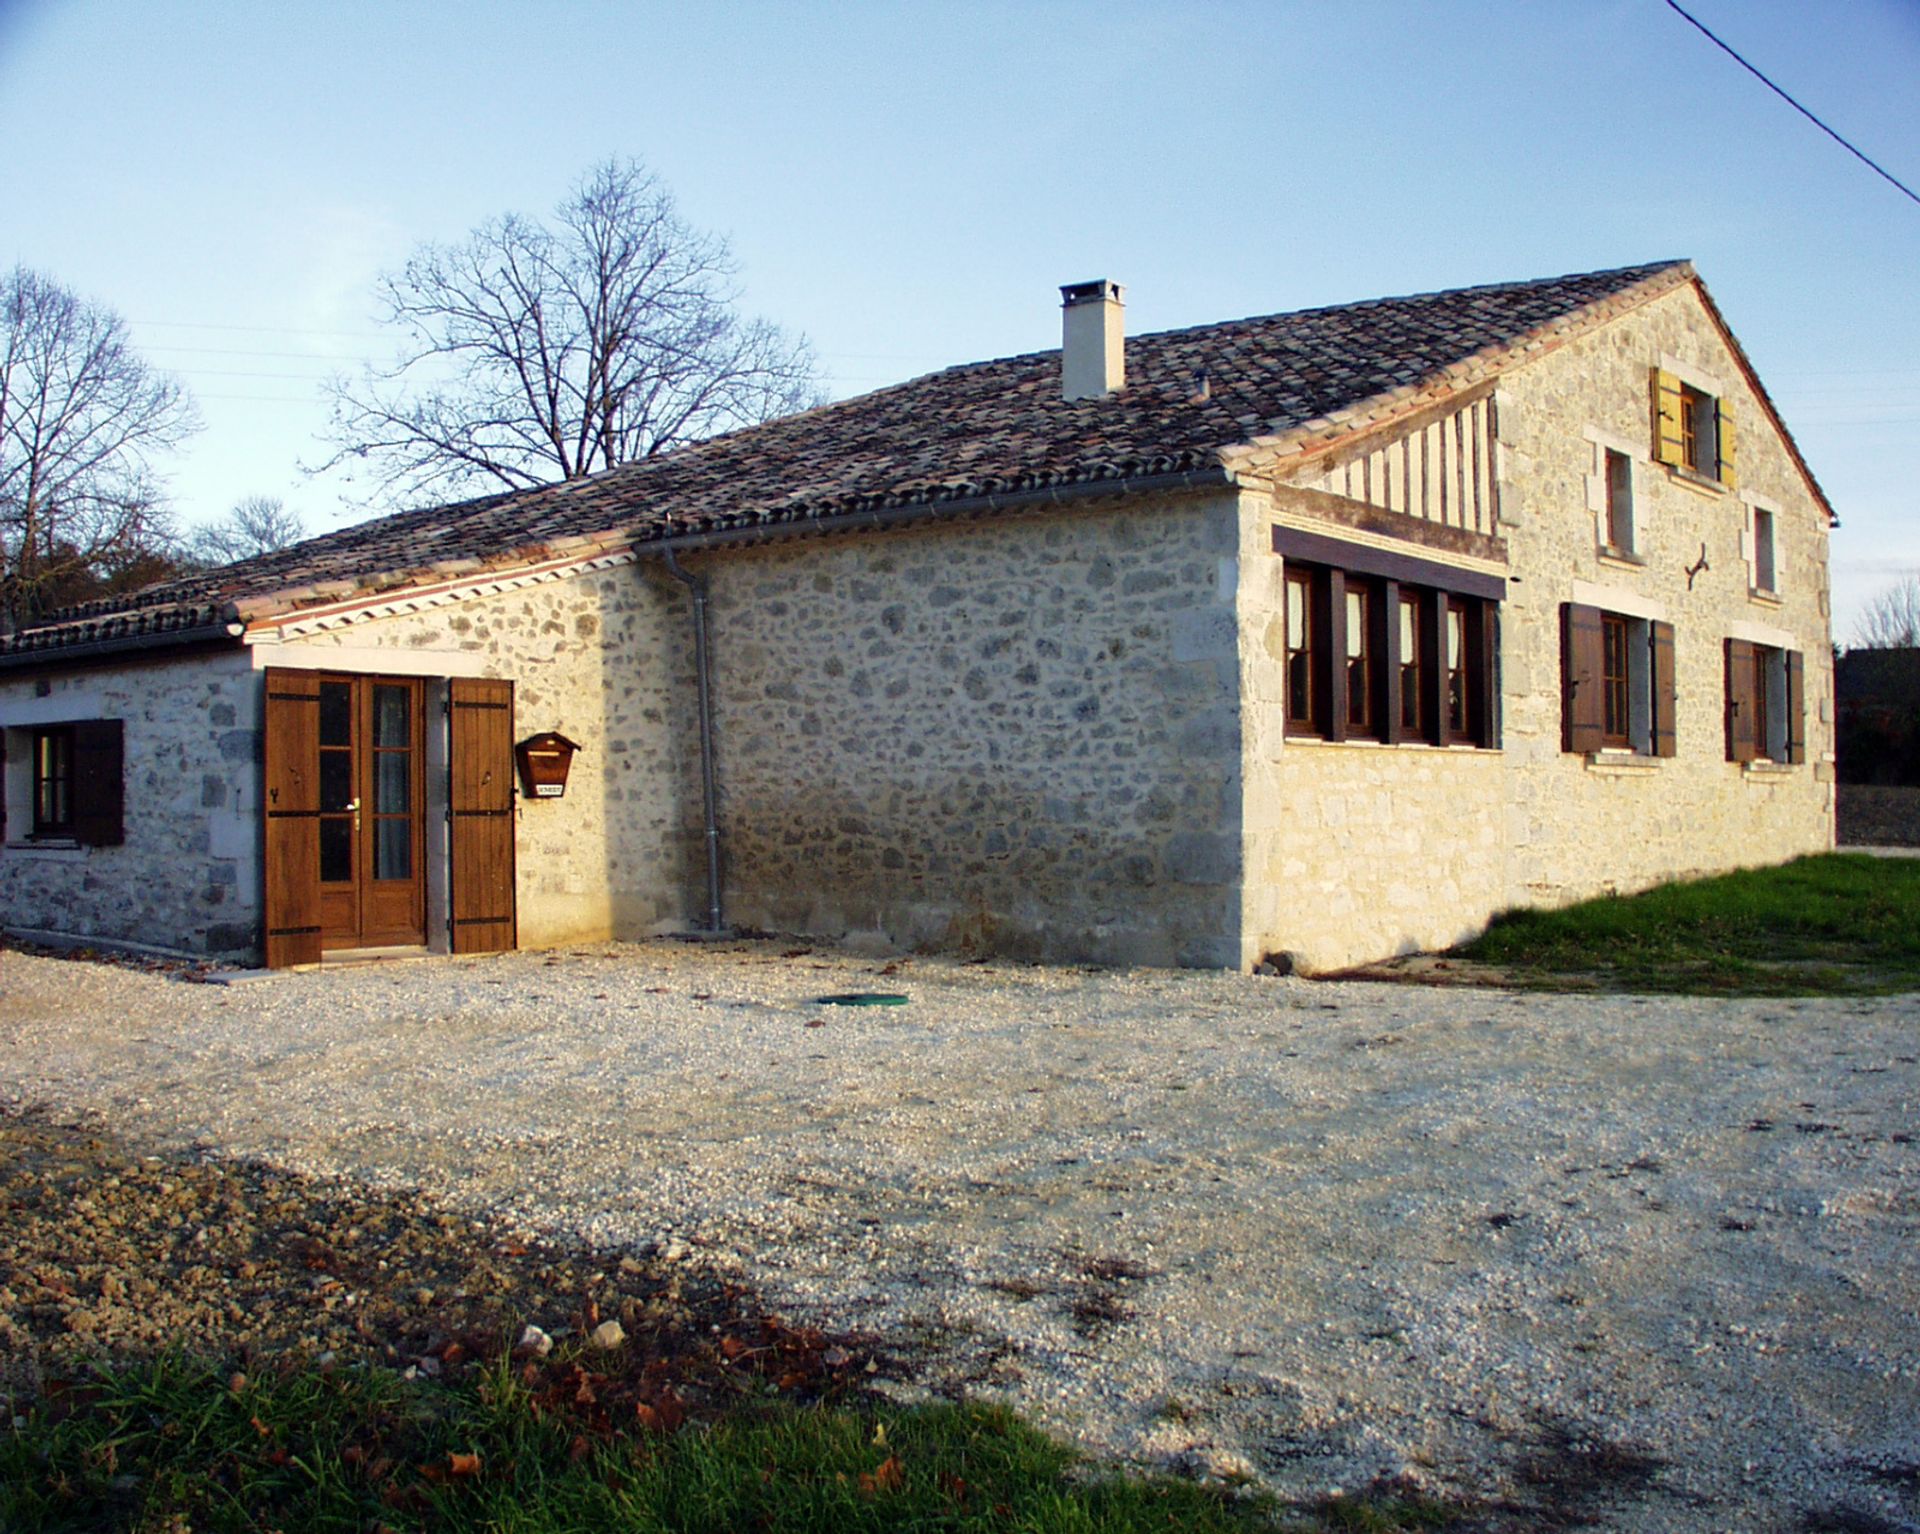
[(1582, 678), (480, 798), (291, 781)]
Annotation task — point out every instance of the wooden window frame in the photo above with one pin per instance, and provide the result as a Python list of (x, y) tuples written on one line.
[(1364, 720), (1755, 731), (1302, 606), (1329, 712), (1409, 670), (1766, 569), (1699, 431), (1616, 683), (46, 826), (1617, 471)]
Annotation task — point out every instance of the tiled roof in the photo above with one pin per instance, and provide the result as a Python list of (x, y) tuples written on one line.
[(1273, 383)]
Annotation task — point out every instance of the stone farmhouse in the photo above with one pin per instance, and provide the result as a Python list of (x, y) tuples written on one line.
[(1327, 634)]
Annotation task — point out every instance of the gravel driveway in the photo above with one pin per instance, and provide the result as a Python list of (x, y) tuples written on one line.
[(1646, 1262)]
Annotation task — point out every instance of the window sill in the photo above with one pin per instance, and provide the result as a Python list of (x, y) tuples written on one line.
[(1692, 479), (1765, 770), (1360, 743), (1763, 596), (1616, 763), (1624, 557), (57, 848)]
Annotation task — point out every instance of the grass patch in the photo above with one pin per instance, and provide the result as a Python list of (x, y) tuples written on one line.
[(175, 1445), (1842, 923)]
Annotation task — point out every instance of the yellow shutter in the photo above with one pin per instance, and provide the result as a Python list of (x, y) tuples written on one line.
[(1667, 446), (1727, 475)]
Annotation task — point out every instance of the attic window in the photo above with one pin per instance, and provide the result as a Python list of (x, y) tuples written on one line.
[(1692, 428)]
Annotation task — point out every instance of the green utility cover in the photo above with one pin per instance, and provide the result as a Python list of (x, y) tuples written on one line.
[(863, 999)]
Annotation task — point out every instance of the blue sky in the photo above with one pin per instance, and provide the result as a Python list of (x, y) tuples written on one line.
[(908, 184)]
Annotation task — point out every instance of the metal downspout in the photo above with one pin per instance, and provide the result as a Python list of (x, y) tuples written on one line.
[(697, 589)]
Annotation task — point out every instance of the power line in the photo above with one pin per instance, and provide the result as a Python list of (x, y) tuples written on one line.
[(1724, 48)]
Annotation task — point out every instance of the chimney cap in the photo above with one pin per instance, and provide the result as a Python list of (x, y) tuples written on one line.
[(1098, 291)]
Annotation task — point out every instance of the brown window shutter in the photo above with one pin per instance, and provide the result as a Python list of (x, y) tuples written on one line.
[(480, 800), (1582, 674), (1796, 707), (1433, 671), (1383, 619), (290, 780), (1664, 695), (1482, 691), (1740, 710), (99, 783), (1331, 642), (1389, 647)]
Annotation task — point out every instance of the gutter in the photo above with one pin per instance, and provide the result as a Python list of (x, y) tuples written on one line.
[(228, 627), (1216, 477)]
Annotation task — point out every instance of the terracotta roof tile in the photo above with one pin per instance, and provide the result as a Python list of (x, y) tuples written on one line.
[(984, 428)]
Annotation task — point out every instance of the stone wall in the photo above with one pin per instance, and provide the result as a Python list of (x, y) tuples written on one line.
[(604, 658), (1017, 735), (188, 875), (1356, 851)]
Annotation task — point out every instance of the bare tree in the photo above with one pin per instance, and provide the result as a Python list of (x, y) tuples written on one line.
[(258, 524), (1891, 621), (538, 352), (81, 418)]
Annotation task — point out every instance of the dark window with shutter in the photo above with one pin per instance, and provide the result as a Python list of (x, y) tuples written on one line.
[(79, 782), (1740, 702), (1582, 679)]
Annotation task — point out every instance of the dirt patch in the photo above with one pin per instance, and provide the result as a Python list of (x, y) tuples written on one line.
[(109, 1257)]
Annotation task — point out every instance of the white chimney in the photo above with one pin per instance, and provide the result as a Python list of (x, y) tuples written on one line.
[(1093, 361)]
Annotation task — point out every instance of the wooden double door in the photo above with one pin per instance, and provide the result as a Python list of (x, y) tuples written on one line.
[(346, 806)]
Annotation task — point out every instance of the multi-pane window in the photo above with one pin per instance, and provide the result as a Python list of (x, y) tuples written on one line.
[(1766, 703), (1617, 682), (1369, 657), (1359, 660), (1301, 688), (1619, 470), (53, 781), (1699, 431), (1413, 715)]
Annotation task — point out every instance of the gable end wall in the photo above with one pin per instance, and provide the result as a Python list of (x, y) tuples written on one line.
[(1356, 852)]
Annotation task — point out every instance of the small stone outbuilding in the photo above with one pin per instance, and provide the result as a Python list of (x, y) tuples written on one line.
[(1327, 634)]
